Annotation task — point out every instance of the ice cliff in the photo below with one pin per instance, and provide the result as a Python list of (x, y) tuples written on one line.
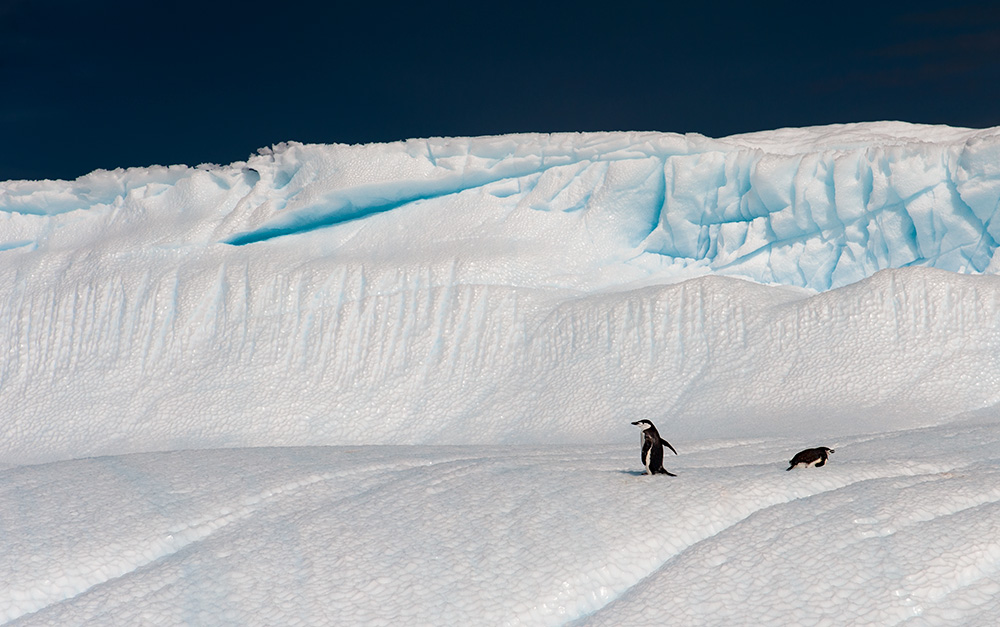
[(502, 289)]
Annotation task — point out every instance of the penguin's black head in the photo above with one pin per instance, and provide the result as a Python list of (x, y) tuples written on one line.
[(643, 424), (828, 450)]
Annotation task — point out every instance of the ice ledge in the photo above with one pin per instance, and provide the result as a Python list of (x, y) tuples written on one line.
[(818, 207)]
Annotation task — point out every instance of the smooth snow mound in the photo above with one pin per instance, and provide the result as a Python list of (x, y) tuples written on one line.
[(898, 526)]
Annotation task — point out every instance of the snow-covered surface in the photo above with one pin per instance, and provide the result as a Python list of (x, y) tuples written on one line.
[(435, 348), (898, 525)]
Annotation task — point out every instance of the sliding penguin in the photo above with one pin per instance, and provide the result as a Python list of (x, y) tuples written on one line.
[(652, 449), (810, 457)]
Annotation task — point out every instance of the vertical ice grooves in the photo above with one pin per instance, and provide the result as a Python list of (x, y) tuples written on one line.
[(164, 353), (883, 202)]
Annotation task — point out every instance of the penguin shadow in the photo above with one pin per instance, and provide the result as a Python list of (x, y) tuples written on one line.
[(640, 473), (632, 473)]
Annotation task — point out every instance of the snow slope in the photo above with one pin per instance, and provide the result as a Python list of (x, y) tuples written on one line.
[(900, 526), (392, 383)]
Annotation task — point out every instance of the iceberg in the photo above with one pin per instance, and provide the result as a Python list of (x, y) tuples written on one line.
[(393, 382), (473, 290)]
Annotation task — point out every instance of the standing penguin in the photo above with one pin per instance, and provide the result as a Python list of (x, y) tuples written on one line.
[(810, 457), (652, 448)]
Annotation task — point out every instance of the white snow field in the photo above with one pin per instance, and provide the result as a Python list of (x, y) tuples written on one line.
[(392, 384)]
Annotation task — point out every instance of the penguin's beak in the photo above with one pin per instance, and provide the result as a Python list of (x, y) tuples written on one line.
[(636, 423)]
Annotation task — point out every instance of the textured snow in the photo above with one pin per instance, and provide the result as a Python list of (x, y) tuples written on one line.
[(901, 525), (343, 385)]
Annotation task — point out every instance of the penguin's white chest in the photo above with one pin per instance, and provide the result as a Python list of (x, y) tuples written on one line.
[(809, 464)]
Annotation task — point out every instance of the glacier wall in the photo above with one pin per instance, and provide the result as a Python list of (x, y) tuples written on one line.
[(816, 208), (505, 289)]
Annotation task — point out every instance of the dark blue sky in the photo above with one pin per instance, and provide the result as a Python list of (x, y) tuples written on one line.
[(108, 83)]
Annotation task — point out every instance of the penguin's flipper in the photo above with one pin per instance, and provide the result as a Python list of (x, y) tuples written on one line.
[(667, 444), (821, 462)]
